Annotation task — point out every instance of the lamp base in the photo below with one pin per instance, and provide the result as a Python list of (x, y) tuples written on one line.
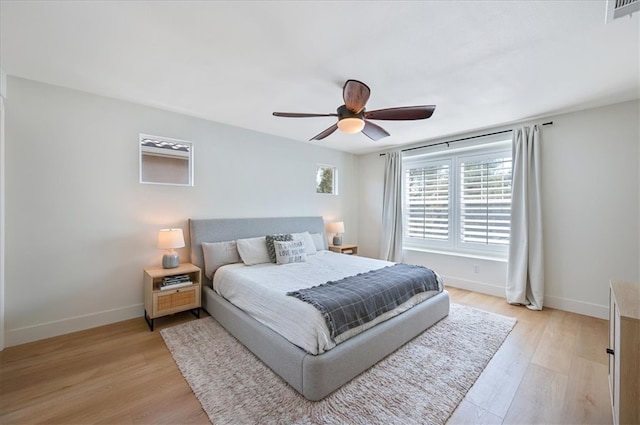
[(337, 240), (170, 261)]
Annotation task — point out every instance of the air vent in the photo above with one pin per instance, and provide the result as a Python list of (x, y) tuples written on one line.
[(619, 8)]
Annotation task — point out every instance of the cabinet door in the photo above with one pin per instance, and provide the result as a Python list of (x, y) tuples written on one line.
[(616, 364), (612, 344)]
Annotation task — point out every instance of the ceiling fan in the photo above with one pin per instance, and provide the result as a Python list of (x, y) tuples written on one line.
[(353, 118)]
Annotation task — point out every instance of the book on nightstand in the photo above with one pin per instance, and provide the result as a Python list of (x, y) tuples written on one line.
[(177, 281), (175, 285)]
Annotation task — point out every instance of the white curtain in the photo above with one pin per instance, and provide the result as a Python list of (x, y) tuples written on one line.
[(391, 238), (525, 270)]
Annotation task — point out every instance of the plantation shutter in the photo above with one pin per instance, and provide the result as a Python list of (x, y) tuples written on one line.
[(427, 201), (485, 200)]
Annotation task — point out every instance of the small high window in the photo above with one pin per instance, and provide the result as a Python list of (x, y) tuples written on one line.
[(326, 179), (165, 161)]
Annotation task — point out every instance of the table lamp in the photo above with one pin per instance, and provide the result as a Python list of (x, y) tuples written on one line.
[(169, 239), (337, 227)]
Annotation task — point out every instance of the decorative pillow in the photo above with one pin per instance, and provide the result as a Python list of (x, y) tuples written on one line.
[(270, 248), (217, 254), (309, 245), (318, 241), (290, 252), (253, 251)]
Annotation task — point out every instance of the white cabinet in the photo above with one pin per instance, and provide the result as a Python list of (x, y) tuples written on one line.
[(624, 351)]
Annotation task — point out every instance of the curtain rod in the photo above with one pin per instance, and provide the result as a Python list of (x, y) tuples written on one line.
[(460, 140)]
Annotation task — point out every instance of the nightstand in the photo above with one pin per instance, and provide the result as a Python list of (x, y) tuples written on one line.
[(344, 249), (160, 302)]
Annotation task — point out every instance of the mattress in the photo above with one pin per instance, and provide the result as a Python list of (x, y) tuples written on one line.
[(260, 290)]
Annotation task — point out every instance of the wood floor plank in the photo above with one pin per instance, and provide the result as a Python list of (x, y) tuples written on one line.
[(556, 348), (540, 397), (497, 385), (587, 398), (592, 339), (469, 413)]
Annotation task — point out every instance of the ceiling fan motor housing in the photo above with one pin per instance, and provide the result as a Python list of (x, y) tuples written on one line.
[(343, 112)]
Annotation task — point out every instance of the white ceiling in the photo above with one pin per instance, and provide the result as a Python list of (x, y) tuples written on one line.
[(483, 63)]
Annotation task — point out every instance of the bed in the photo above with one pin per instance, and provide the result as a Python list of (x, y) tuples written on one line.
[(312, 375)]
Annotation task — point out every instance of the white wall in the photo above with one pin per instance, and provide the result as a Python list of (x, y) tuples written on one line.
[(591, 197), (79, 226)]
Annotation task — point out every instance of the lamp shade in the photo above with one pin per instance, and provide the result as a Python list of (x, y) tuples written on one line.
[(336, 227), (351, 125), (170, 238)]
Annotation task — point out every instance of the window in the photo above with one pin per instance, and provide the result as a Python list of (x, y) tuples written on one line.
[(427, 205), (326, 179), (459, 201), (165, 161), (485, 199)]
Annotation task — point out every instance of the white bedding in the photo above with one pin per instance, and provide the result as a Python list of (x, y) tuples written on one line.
[(260, 290)]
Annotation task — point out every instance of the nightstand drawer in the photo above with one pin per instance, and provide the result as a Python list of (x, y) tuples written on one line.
[(167, 302)]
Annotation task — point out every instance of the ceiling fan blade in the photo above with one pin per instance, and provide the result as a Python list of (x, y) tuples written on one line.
[(301, 115), (355, 94), (325, 133), (374, 131), (402, 113)]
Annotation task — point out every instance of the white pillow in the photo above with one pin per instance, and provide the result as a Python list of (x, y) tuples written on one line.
[(253, 251), (309, 245), (217, 254), (290, 252), (318, 241)]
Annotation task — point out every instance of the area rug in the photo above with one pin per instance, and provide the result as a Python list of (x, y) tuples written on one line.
[(421, 383)]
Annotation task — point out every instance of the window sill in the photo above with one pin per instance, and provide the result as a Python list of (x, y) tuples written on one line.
[(487, 257)]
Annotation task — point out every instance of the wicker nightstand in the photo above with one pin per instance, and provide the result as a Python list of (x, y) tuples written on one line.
[(162, 302)]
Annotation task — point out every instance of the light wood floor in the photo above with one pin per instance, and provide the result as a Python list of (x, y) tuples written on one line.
[(552, 368)]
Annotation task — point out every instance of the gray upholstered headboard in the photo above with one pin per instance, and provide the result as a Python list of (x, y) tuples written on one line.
[(229, 229)]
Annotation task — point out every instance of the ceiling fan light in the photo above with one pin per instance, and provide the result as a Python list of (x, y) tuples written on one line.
[(351, 125)]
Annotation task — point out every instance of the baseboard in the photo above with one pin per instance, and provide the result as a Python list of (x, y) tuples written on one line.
[(559, 303), (73, 324), (580, 307), (475, 286)]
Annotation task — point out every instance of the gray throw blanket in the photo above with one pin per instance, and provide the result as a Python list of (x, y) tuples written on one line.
[(358, 299)]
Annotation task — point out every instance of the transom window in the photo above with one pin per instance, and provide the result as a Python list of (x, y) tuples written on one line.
[(459, 201)]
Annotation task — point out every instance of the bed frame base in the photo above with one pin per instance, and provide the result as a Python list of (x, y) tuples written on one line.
[(316, 376)]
